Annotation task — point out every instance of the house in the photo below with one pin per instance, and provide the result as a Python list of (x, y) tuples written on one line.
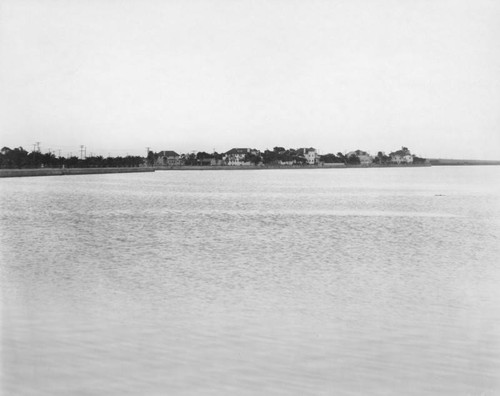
[(237, 156), (365, 159), (216, 162), (205, 161), (168, 158), (402, 156), (286, 163), (310, 154)]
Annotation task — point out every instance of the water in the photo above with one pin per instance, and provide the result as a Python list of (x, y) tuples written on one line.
[(276, 282)]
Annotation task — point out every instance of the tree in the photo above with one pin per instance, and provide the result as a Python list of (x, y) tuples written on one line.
[(330, 159), (203, 158), (253, 158), (17, 158), (150, 159), (353, 160), (190, 159), (342, 157), (72, 162), (269, 157)]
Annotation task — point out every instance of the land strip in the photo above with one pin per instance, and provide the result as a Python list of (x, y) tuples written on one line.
[(284, 167), (68, 171), (447, 162)]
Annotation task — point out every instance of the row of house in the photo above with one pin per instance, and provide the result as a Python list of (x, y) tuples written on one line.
[(233, 157), (243, 156), (398, 157)]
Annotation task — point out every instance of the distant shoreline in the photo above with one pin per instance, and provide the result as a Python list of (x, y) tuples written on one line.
[(460, 162), (95, 171), (284, 167)]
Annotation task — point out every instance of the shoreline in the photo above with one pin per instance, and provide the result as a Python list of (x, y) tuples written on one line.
[(283, 167), (5, 173), (68, 171), (461, 162)]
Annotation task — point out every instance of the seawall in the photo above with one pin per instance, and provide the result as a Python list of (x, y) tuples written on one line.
[(68, 171)]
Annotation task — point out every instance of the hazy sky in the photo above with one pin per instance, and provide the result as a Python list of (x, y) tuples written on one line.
[(121, 75)]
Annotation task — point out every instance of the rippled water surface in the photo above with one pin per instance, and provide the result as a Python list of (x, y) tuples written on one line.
[(272, 282)]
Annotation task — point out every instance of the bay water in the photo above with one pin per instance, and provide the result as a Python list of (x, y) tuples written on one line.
[(265, 282)]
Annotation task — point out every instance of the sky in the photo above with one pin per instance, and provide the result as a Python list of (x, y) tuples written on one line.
[(118, 76)]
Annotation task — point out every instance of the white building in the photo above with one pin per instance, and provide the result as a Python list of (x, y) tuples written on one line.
[(310, 154), (402, 156), (236, 156)]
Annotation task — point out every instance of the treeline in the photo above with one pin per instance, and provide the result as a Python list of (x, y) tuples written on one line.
[(18, 158)]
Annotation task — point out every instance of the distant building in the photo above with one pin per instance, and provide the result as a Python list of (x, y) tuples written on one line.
[(365, 159), (205, 161), (310, 154), (216, 162), (168, 158), (402, 156), (236, 156), (287, 163)]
